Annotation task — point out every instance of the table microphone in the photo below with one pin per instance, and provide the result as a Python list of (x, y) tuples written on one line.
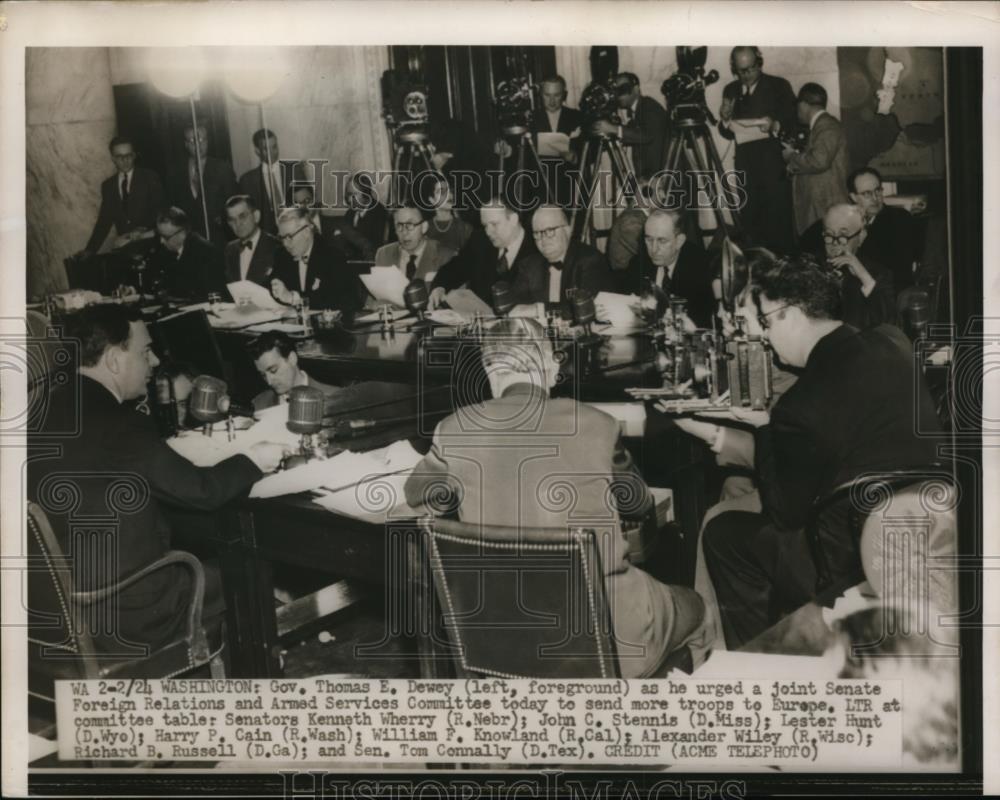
[(209, 401), (503, 298), (584, 310), (416, 297), (306, 405)]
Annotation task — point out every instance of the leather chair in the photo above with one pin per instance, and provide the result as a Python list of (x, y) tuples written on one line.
[(60, 645), (902, 526), (523, 602)]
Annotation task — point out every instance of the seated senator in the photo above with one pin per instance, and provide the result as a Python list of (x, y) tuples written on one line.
[(187, 265), (545, 439)]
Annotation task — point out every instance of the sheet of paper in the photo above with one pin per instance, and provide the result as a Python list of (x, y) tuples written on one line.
[(748, 130), (245, 316), (206, 451), (617, 309), (448, 316), (255, 293), (291, 328), (552, 144), (466, 301), (371, 500), (386, 284)]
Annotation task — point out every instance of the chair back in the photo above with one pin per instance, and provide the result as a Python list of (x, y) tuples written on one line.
[(188, 338), (522, 602)]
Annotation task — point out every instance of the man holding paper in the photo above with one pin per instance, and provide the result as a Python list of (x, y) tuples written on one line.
[(414, 255), (770, 102), (250, 256)]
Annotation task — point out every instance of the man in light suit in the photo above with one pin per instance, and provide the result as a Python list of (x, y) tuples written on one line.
[(820, 173), (250, 256), (413, 254), (642, 126), (555, 440), (130, 199)]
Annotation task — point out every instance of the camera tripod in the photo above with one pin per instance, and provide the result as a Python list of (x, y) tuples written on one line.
[(590, 162), (412, 151), (685, 154), (522, 144)]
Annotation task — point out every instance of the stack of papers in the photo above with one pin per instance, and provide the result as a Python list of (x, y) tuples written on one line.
[(386, 285), (618, 309), (253, 293)]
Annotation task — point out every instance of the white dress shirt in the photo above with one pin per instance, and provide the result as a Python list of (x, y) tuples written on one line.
[(128, 182), (275, 181), (246, 254), (512, 249), (667, 271)]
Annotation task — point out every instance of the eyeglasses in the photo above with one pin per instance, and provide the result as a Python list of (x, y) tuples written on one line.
[(406, 227), (547, 233), (871, 194), (831, 238), (287, 237), (762, 316)]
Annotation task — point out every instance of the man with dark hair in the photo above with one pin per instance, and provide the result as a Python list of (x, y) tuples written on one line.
[(107, 440), (501, 251), (642, 125), (264, 183), (854, 409), (547, 442), (277, 361), (188, 267), (820, 172), (362, 230), (767, 215), (129, 199), (307, 268), (187, 179), (892, 236), (414, 254), (250, 256)]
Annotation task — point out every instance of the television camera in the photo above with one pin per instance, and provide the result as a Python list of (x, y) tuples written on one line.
[(515, 105), (684, 91)]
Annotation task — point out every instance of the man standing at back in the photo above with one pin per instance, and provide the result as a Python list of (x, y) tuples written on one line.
[(264, 182), (522, 444), (211, 177), (642, 126)]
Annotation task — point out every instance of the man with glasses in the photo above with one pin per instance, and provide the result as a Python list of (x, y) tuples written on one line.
[(413, 254), (571, 265), (129, 199), (642, 125), (892, 238), (215, 176), (767, 216), (187, 266), (867, 295), (306, 268), (854, 409)]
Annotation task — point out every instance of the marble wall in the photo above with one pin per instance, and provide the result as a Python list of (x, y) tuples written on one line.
[(70, 117)]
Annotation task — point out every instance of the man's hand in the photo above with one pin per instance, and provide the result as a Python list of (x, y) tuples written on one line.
[(438, 160), (267, 455), (853, 265), (604, 128), (436, 298), (726, 110), (767, 125), (281, 293), (757, 419)]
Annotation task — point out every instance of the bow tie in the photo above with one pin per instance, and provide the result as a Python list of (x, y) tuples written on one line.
[(246, 244), (557, 265)]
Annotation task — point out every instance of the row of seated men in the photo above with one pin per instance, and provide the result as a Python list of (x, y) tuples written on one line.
[(851, 401)]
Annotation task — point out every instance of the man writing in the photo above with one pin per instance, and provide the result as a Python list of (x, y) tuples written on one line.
[(277, 361), (250, 256)]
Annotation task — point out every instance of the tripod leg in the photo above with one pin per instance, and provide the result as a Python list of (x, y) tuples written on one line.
[(577, 184), (528, 143), (695, 137), (716, 164)]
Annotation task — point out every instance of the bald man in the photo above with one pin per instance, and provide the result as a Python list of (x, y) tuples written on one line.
[(867, 293), (571, 264)]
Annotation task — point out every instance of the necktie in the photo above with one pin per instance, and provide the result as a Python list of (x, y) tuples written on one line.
[(247, 244), (557, 265), (411, 267), (502, 264), (303, 270), (193, 176), (125, 190)]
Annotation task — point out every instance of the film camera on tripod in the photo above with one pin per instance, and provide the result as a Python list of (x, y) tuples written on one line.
[(684, 91), (407, 118)]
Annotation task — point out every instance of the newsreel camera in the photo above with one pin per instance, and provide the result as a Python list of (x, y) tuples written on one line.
[(515, 105), (711, 369), (684, 91), (407, 118), (599, 101)]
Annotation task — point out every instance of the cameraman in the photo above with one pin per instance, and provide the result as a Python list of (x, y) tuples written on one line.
[(642, 126), (767, 217)]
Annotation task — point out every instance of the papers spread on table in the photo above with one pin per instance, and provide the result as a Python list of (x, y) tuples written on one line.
[(552, 144), (748, 130), (618, 309), (448, 316), (207, 451), (386, 285), (466, 301), (291, 328), (254, 293), (373, 316)]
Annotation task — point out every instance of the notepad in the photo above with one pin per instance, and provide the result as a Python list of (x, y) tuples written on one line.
[(748, 130)]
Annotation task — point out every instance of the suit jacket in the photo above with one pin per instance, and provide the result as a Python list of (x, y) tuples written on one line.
[(772, 97), (220, 185), (892, 241), (476, 265), (878, 308), (435, 256), (269, 398), (359, 238), (852, 410), (691, 281), (252, 182), (145, 200), (110, 443), (547, 443), (820, 173), (584, 267), (569, 120), (197, 272), (261, 262), (646, 135), (330, 282)]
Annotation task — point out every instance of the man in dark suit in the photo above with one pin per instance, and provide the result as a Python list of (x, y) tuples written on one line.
[(186, 180), (642, 126), (108, 440), (855, 408), (867, 296), (767, 215), (547, 442), (363, 229), (672, 266), (250, 256), (307, 268), (277, 361), (892, 236), (130, 199), (265, 183), (571, 265), (556, 117), (502, 251), (187, 266)]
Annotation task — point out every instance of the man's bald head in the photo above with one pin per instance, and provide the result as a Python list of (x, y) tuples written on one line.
[(846, 221)]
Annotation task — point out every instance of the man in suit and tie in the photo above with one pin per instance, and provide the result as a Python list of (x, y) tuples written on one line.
[(187, 266), (672, 266), (767, 215), (130, 199), (250, 256), (502, 251), (362, 230), (556, 117), (217, 178), (519, 445), (642, 126), (820, 172), (892, 236), (413, 254), (571, 265), (264, 183), (308, 269)]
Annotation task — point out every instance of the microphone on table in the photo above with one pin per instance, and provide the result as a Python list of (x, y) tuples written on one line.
[(306, 405), (584, 311), (503, 298), (417, 298), (210, 403)]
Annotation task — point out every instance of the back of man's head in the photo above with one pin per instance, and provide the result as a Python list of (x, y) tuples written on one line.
[(99, 327), (799, 281), (812, 94), (517, 350)]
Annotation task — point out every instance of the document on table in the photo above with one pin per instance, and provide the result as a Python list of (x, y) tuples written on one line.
[(207, 451), (748, 130), (386, 284), (552, 144), (618, 309), (466, 301), (255, 293)]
